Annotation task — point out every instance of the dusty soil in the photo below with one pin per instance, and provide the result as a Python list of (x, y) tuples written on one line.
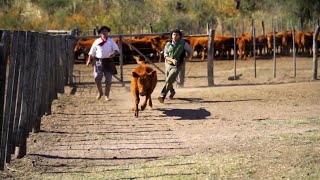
[(255, 128)]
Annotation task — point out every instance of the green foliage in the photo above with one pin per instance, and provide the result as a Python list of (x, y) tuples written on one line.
[(130, 16), (247, 7), (5, 3), (51, 5), (12, 20)]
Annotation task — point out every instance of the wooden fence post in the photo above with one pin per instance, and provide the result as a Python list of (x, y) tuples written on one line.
[(61, 64), (254, 52), (263, 29), (121, 59), (222, 28), (235, 52), (315, 53), (31, 81), (23, 90), (50, 74), (274, 53), (199, 27), (4, 46), (300, 24), (210, 60), (150, 28), (38, 86), (12, 96), (54, 67), (242, 26), (252, 25), (294, 53), (70, 61)]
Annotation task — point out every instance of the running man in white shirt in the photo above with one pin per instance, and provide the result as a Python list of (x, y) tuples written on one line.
[(102, 52)]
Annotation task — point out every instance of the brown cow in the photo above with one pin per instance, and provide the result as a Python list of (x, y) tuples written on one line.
[(83, 47), (244, 43), (158, 43), (199, 45), (261, 44), (223, 46), (297, 41), (143, 82), (287, 42), (306, 42), (278, 41), (144, 45)]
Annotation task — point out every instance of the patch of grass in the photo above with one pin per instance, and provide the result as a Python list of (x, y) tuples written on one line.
[(271, 162), (300, 151), (307, 137), (315, 121), (311, 121), (179, 167)]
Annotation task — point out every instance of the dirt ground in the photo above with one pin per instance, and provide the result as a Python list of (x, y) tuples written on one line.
[(250, 128)]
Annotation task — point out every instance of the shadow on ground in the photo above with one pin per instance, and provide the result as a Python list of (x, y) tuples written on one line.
[(187, 114), (200, 100)]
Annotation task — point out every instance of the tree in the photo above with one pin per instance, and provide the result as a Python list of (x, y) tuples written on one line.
[(51, 6)]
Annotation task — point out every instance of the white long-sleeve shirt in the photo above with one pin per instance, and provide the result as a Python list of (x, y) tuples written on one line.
[(105, 50)]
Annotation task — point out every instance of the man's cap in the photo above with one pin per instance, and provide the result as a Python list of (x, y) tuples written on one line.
[(104, 27), (176, 31)]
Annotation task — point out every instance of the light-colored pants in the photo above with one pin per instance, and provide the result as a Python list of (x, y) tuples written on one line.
[(171, 75), (180, 77)]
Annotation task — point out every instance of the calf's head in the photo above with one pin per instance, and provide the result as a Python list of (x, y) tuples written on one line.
[(144, 81)]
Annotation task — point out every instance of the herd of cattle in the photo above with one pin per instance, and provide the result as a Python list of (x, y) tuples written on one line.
[(152, 46)]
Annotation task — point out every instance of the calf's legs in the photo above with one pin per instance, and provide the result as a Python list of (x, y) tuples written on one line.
[(136, 104), (147, 100)]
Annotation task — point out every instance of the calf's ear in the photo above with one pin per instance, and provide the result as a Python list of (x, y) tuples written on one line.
[(135, 75), (153, 73)]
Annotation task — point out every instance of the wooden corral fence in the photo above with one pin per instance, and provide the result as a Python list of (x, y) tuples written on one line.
[(253, 46), (35, 67)]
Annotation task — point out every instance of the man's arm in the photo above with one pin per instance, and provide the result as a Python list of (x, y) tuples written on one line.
[(167, 57), (171, 59), (88, 60), (92, 53), (189, 50), (113, 54)]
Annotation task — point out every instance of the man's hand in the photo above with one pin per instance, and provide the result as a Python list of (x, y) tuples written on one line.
[(88, 60), (113, 54), (174, 61)]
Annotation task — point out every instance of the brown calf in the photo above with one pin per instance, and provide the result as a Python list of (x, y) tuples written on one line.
[(143, 82)]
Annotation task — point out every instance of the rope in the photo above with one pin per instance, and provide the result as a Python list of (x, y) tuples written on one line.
[(11, 169), (188, 72)]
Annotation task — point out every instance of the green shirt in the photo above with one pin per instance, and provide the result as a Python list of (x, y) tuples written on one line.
[(175, 51)]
